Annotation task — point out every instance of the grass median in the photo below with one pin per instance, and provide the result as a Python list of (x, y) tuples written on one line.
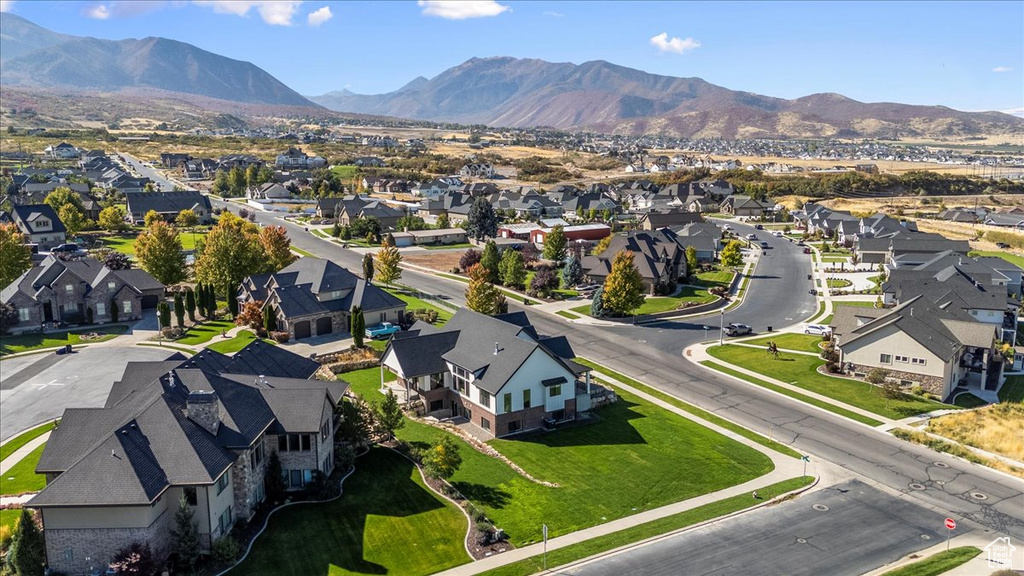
[(40, 341), (938, 564)]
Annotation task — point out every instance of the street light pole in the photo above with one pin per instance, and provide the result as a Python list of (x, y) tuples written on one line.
[(721, 331)]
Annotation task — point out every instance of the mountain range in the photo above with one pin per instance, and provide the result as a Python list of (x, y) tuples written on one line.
[(33, 56), (605, 97)]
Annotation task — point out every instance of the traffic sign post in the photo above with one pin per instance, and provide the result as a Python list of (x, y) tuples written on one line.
[(805, 459), (544, 529), (950, 526)]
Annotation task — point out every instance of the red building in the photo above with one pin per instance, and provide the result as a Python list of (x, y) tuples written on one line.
[(586, 232)]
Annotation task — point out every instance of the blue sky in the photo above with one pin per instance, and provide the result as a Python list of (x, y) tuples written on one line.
[(968, 56)]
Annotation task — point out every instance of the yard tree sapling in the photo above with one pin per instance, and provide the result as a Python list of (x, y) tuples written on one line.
[(489, 262), (623, 288), (555, 244), (389, 415), (442, 460)]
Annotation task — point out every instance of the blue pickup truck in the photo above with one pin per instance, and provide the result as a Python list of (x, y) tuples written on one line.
[(381, 331)]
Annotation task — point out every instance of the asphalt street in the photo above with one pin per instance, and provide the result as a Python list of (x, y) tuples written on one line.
[(850, 528)]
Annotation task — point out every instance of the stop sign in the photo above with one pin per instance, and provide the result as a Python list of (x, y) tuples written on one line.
[(950, 524)]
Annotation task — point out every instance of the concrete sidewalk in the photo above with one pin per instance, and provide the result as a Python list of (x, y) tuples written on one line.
[(19, 454)]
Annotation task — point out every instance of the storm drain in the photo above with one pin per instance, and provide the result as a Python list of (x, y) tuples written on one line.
[(916, 486), (820, 507), (941, 465), (801, 540), (978, 496), (925, 537)]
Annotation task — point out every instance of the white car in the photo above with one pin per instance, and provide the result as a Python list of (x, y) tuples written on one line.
[(777, 234), (751, 236), (726, 227), (817, 330)]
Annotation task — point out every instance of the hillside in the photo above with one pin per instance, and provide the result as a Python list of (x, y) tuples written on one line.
[(39, 58), (610, 98)]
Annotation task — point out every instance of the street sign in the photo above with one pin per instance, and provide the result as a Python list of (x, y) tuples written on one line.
[(950, 524), (544, 529)]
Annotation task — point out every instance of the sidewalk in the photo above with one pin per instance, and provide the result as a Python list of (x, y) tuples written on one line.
[(785, 468), (22, 452)]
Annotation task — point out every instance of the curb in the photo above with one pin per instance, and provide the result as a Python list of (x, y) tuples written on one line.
[(32, 427)]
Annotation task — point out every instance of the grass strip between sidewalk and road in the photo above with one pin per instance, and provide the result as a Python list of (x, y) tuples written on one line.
[(575, 552), (38, 341), (795, 395), (567, 314), (302, 252), (700, 413), (938, 564), (11, 446)]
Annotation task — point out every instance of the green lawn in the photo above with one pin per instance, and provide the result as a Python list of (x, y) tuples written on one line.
[(938, 564), (567, 314), (231, 345), (834, 258), (12, 445), (574, 552), (801, 370), (126, 244), (302, 252), (699, 412), (662, 450), (1012, 390), (28, 342), (22, 476), (9, 517), (787, 392), (968, 400), (715, 278), (345, 172), (1011, 258), (839, 283), (413, 303), (790, 341), (655, 304), (202, 333), (387, 522), (855, 303)]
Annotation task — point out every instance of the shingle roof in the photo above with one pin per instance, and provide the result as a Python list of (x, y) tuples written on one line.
[(31, 212), (165, 202)]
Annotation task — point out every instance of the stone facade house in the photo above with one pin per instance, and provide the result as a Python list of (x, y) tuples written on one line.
[(75, 291), (168, 205), (495, 372), (201, 430), (660, 256), (313, 297)]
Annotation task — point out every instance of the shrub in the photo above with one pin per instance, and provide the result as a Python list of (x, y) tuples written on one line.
[(280, 336), (469, 258), (136, 558), (319, 488), (225, 550), (832, 367)]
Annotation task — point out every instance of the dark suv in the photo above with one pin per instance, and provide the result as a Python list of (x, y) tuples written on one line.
[(66, 249)]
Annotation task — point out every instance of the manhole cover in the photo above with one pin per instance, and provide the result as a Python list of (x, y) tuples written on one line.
[(978, 496), (820, 507), (925, 537), (941, 465), (802, 540), (940, 482), (916, 486)]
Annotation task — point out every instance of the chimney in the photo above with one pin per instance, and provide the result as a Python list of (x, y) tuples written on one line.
[(204, 409)]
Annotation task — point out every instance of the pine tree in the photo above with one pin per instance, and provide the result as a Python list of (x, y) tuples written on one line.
[(513, 271), (572, 272), (481, 222), (28, 550), (190, 304), (368, 267), (388, 265), (597, 309), (232, 300), (389, 415), (163, 312), (555, 243), (273, 481), (269, 322), (357, 326), (185, 535), (623, 288), (179, 310), (489, 260)]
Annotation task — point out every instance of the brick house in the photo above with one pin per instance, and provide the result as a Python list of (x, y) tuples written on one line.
[(496, 372), (313, 297), (201, 429), (68, 292)]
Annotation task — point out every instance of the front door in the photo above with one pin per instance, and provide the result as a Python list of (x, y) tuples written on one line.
[(48, 312)]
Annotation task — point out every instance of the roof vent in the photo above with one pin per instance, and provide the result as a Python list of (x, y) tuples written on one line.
[(125, 431), (170, 379), (496, 349)]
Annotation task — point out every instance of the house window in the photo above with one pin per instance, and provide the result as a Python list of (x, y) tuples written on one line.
[(918, 361), (515, 426), (111, 285), (70, 307), (224, 522), (436, 380), (526, 399), (24, 314), (508, 402), (69, 288), (461, 378), (325, 430), (485, 424), (306, 443), (256, 455), (885, 358), (902, 359), (282, 443), (190, 496), (555, 391), (101, 309), (126, 306), (296, 480), (223, 482), (485, 399)]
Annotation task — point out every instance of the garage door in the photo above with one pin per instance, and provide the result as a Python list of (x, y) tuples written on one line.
[(323, 326), (149, 301), (302, 329)]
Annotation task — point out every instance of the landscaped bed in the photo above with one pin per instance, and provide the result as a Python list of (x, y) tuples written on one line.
[(203, 333), (38, 341), (686, 295), (802, 371), (790, 341)]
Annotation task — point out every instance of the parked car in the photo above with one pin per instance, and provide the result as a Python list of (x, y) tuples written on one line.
[(807, 250), (813, 292), (751, 236), (1002, 245), (758, 227), (801, 243), (817, 330), (778, 234), (380, 331), (726, 227), (737, 330), (66, 249)]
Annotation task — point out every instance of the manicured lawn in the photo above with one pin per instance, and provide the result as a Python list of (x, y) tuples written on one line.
[(801, 370), (839, 283), (9, 517), (346, 171), (567, 314), (701, 413), (22, 476), (938, 564), (1011, 258), (241, 340), (655, 304), (204, 332), (386, 522), (1012, 390), (574, 552), (715, 278), (413, 303), (968, 400), (586, 460), (12, 445), (856, 303), (27, 342), (789, 341), (787, 392), (126, 244), (302, 252)]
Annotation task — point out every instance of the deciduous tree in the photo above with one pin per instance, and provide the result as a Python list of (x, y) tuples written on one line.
[(512, 269), (731, 255), (17, 257), (388, 265), (277, 246), (186, 219), (251, 315), (112, 218), (72, 219), (544, 281), (691, 260), (469, 258), (151, 217), (554, 244), (481, 295), (231, 252), (443, 221), (442, 460), (117, 260), (602, 245), (158, 249), (63, 195), (623, 288)]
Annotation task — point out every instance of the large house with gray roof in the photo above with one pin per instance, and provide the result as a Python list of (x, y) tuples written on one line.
[(168, 205), (200, 429), (40, 224), (313, 297), (496, 372)]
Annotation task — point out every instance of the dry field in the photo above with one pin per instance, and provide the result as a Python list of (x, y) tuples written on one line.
[(440, 260), (998, 428), (883, 166)]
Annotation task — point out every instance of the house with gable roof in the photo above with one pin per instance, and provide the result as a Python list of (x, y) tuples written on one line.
[(40, 224)]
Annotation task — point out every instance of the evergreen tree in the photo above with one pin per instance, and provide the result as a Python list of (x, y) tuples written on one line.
[(388, 265), (185, 535), (597, 309), (357, 326), (512, 269), (190, 304), (163, 312), (481, 222), (389, 415), (28, 550), (179, 310), (269, 322), (273, 482), (623, 288), (232, 300), (555, 244), (489, 260), (368, 267), (572, 272)]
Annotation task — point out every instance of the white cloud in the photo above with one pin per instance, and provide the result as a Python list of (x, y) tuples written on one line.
[(272, 12), (461, 9), (677, 45), (1014, 112), (552, 14), (6, 5), (120, 9), (319, 16), (98, 11), (1002, 69)]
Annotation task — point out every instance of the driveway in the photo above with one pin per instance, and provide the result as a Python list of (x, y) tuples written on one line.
[(39, 387)]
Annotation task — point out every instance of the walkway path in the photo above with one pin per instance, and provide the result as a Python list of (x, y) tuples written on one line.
[(22, 452)]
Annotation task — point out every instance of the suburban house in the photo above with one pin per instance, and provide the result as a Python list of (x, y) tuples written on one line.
[(481, 170), (40, 225), (62, 151), (919, 342), (173, 159), (430, 237), (168, 205), (200, 430), (672, 218), (1006, 220), (496, 372), (705, 238), (369, 162), (578, 233), (348, 211), (268, 191), (295, 158), (313, 297), (746, 206), (77, 291), (658, 256)]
